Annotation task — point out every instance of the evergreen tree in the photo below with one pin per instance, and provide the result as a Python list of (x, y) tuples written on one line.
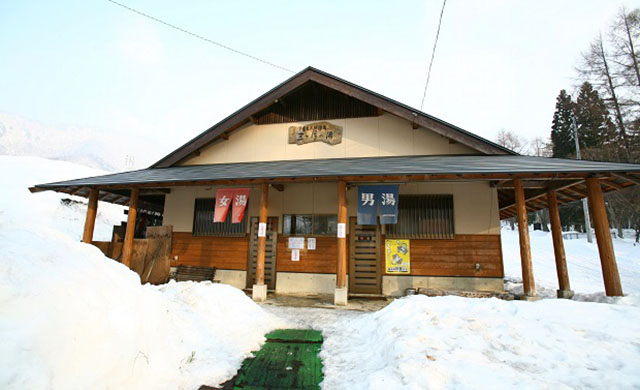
[(563, 144), (595, 128)]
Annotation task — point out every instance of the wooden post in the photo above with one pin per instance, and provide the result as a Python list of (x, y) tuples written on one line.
[(127, 247), (612, 285), (341, 276), (564, 290), (262, 240), (528, 283), (92, 210)]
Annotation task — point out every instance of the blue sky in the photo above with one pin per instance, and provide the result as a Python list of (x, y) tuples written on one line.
[(499, 64)]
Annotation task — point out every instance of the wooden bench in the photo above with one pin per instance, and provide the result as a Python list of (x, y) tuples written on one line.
[(196, 274)]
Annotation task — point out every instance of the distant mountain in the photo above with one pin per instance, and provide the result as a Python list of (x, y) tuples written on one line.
[(82, 145)]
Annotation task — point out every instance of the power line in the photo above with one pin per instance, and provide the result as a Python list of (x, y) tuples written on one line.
[(433, 54), (200, 37)]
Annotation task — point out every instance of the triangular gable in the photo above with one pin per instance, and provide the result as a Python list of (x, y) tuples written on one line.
[(260, 108)]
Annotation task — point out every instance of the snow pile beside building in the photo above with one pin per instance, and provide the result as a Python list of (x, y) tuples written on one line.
[(583, 263), (452, 342), (72, 319), (46, 209)]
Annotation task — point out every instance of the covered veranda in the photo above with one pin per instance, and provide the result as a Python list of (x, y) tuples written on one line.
[(523, 184)]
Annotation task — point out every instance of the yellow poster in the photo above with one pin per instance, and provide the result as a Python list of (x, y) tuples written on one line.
[(397, 256)]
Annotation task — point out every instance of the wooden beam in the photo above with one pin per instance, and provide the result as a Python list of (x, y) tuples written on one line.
[(611, 184), (341, 276), (90, 221), (262, 239), (558, 246), (224, 136), (127, 248), (414, 125), (529, 285), (253, 120), (554, 186), (577, 191), (278, 187), (627, 177), (612, 284)]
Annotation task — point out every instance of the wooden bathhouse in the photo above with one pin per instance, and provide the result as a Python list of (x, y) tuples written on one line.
[(322, 186)]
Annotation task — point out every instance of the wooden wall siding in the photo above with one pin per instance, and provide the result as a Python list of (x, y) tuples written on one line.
[(457, 257), (220, 252), (312, 102), (323, 260)]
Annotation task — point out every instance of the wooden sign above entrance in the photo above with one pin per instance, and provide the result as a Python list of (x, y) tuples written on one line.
[(315, 132)]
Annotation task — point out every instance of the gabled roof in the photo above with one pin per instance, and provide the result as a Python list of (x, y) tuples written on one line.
[(310, 74)]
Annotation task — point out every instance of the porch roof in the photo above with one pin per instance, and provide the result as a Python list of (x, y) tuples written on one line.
[(365, 166), (559, 174)]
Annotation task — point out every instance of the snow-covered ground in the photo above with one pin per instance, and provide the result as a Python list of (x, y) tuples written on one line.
[(583, 263), (72, 319), (460, 343)]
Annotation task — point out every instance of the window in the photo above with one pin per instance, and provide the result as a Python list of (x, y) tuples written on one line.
[(203, 224), (325, 225), (307, 224), (424, 216)]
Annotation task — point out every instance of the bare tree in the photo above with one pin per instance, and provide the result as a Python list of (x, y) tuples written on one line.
[(624, 35), (540, 147), (511, 140)]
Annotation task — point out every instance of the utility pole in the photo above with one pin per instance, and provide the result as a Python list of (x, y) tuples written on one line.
[(585, 206)]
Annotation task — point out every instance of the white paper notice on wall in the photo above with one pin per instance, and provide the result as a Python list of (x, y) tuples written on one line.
[(295, 255), (262, 229), (342, 230), (296, 242), (311, 243)]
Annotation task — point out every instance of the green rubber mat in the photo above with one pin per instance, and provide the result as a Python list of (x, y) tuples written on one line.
[(288, 360), (298, 335)]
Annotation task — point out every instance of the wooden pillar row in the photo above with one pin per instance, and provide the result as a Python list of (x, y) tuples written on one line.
[(612, 285), (92, 211), (528, 283), (564, 290), (127, 247)]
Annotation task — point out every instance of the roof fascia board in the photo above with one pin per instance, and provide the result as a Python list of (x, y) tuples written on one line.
[(439, 127), (233, 121)]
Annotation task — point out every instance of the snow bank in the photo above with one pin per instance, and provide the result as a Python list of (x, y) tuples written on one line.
[(458, 343), (71, 318), (24, 209)]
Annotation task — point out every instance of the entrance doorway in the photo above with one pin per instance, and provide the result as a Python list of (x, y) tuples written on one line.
[(270, 253), (365, 269)]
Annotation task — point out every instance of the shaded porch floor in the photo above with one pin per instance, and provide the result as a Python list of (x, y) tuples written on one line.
[(325, 301)]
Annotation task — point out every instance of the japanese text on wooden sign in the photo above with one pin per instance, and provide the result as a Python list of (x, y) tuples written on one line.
[(315, 132)]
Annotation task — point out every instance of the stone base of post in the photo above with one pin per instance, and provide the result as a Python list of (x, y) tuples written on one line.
[(340, 297), (259, 292), (565, 294)]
